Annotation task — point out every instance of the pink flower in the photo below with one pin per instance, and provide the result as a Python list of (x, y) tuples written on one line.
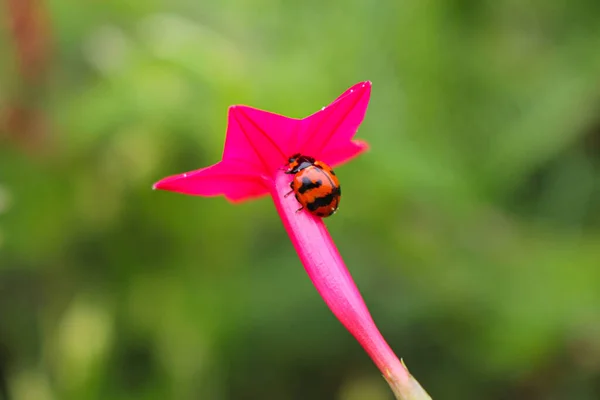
[(257, 148)]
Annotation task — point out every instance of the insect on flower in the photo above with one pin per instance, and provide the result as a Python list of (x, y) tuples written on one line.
[(315, 185)]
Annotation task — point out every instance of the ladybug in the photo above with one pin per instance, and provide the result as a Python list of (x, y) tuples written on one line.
[(315, 185)]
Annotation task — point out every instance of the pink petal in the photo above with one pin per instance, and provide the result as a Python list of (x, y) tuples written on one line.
[(337, 156), (228, 178), (337, 123), (260, 138), (352, 89)]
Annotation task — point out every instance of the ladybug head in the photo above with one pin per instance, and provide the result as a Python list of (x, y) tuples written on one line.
[(294, 157), (298, 162)]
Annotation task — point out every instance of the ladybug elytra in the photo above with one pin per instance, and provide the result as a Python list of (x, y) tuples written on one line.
[(315, 185)]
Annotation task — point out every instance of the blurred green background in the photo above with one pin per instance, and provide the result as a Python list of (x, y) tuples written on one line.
[(472, 227)]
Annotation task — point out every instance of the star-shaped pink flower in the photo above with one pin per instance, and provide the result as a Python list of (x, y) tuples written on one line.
[(259, 143), (257, 148)]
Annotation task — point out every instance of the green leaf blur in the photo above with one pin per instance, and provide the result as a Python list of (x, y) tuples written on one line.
[(472, 227)]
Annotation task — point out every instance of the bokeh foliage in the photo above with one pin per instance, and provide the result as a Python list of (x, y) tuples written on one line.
[(472, 227)]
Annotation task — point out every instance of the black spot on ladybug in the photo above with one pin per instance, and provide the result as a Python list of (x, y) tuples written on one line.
[(321, 202), (308, 184)]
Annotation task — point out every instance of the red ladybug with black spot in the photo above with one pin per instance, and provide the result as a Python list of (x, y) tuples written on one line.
[(315, 185)]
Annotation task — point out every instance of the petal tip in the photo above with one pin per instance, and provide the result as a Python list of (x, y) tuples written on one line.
[(358, 89), (366, 85), (362, 145), (158, 185)]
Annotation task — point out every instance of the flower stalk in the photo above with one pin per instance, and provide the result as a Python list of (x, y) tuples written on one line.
[(333, 281)]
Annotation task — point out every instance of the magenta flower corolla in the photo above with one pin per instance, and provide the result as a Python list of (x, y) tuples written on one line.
[(257, 147)]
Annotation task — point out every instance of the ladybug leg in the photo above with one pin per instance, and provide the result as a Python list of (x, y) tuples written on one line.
[(291, 191), (300, 209)]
